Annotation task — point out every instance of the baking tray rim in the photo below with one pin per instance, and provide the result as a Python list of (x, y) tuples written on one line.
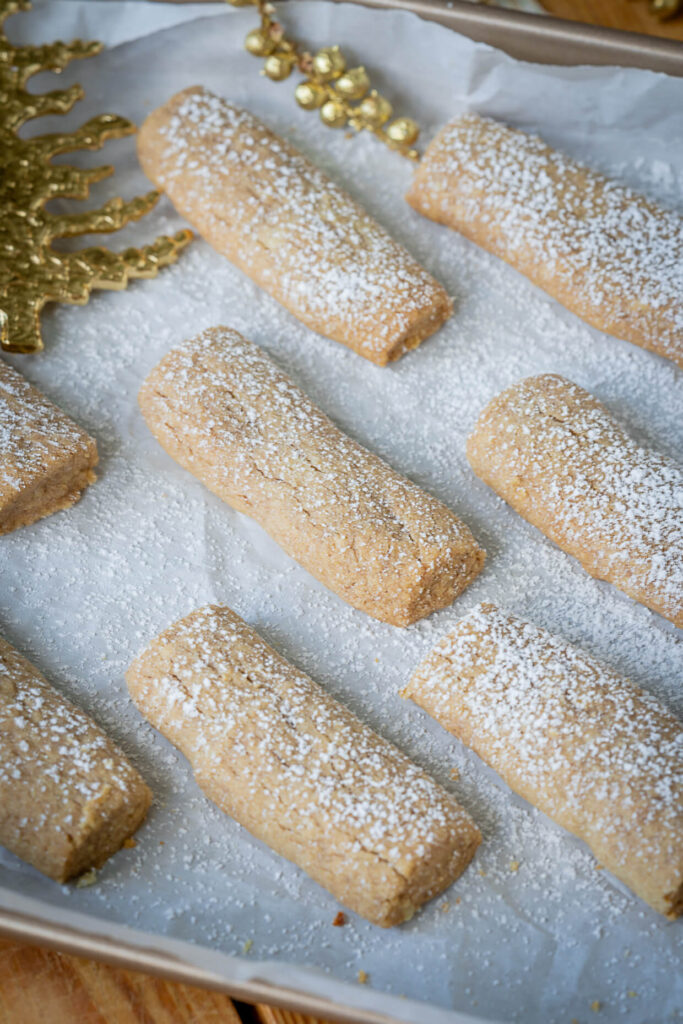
[(147, 959), (540, 39)]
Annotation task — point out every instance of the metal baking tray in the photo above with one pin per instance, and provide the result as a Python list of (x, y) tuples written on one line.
[(37, 932), (542, 40), (525, 37)]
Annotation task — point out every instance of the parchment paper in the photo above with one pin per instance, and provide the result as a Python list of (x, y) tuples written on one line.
[(533, 931)]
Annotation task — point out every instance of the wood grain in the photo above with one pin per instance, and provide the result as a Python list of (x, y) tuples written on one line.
[(39, 986), (629, 15), (273, 1015)]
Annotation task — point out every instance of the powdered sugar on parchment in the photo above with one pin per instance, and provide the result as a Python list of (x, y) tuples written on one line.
[(538, 933)]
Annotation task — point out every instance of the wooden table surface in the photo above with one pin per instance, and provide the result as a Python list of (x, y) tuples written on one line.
[(38, 986), (631, 15)]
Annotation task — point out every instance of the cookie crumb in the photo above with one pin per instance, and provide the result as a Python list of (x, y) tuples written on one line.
[(514, 865), (596, 1006), (631, 994), (129, 844), (247, 945), (444, 906), (86, 879), (339, 920), (454, 773), (362, 977)]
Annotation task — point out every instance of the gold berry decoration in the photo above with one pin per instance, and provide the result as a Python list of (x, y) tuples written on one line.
[(375, 110), (403, 131), (278, 66), (333, 113), (329, 64), (310, 95), (665, 9), (259, 43), (342, 95), (353, 84)]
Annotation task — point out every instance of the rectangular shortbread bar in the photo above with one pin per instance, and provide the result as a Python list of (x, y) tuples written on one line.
[(593, 751), (46, 460), (272, 749), (605, 252), (223, 410), (561, 460), (69, 798), (273, 213)]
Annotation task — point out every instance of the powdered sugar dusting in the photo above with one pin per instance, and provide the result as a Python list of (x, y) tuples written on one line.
[(148, 543), (225, 411), (276, 751), (291, 228), (558, 456), (605, 251), (589, 748), (56, 765), (36, 438)]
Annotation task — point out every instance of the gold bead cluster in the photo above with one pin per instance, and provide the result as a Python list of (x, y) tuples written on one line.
[(341, 95)]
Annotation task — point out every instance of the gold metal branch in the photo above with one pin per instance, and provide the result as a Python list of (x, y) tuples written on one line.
[(32, 273)]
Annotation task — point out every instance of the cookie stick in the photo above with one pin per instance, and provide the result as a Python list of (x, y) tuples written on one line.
[(68, 796), (605, 252), (46, 460), (584, 745), (261, 203), (558, 457), (274, 751), (223, 410)]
